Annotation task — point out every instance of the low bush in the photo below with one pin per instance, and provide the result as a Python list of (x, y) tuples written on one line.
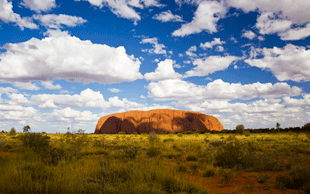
[(180, 134), (230, 154), (268, 161), (301, 178), (248, 188), (174, 146), (226, 175), (12, 132), (208, 172), (99, 143), (152, 152), (130, 152), (35, 141), (168, 140), (263, 178), (194, 166), (283, 182), (247, 133), (171, 156), (181, 168), (191, 158)]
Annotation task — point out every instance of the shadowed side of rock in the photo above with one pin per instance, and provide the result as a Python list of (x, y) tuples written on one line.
[(159, 120)]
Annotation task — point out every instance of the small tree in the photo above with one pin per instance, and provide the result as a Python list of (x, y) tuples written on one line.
[(240, 129), (80, 131), (278, 127), (26, 129), (12, 132)]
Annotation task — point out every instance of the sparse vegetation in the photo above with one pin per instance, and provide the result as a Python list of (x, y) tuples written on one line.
[(88, 163)]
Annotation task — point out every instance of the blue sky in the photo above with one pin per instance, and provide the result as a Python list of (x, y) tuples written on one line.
[(68, 63)]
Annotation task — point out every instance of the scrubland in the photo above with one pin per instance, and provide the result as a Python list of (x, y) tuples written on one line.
[(154, 163)]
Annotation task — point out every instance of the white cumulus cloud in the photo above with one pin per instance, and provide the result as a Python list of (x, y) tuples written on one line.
[(39, 5), (210, 65), (288, 63), (163, 71), (124, 8), (167, 16), (205, 18), (176, 89), (7, 15), (114, 90), (277, 16), (158, 48), (49, 85), (215, 41), (67, 57), (249, 34), (57, 21)]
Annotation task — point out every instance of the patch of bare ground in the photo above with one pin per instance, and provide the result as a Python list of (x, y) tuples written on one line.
[(241, 182)]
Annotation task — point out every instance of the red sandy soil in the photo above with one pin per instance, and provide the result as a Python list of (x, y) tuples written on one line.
[(235, 185)]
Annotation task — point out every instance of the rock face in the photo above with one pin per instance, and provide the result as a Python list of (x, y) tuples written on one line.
[(159, 120)]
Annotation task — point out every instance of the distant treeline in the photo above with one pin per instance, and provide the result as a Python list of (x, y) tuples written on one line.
[(304, 129)]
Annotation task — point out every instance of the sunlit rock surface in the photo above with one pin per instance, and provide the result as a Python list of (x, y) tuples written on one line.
[(159, 120)]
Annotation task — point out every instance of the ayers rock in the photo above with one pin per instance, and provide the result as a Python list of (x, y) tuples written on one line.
[(159, 120)]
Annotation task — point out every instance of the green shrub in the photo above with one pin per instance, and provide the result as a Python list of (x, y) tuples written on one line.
[(152, 152), (268, 161), (191, 158), (247, 133), (35, 141), (240, 129), (122, 132), (208, 172), (174, 146), (263, 178), (181, 168), (130, 152), (12, 132), (168, 140), (180, 134), (301, 178), (99, 143), (135, 133), (39, 144), (282, 182), (153, 138), (248, 188), (226, 175), (171, 156), (194, 166), (288, 166), (230, 154)]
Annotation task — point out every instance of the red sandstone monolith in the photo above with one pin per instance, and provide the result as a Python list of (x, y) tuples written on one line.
[(159, 120)]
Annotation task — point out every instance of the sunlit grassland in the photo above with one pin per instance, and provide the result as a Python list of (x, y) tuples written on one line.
[(145, 163)]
